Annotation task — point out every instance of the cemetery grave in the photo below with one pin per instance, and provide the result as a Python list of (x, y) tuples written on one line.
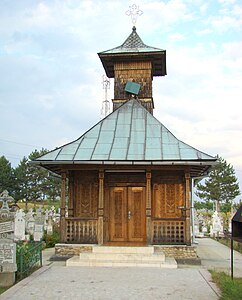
[(21, 234)]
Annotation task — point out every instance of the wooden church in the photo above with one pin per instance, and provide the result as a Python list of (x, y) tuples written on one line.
[(127, 180)]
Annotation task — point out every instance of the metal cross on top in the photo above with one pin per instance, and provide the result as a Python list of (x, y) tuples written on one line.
[(5, 198), (134, 12)]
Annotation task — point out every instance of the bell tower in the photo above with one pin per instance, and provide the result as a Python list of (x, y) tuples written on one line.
[(133, 65)]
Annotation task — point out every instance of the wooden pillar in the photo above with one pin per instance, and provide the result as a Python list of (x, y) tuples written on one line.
[(63, 207), (71, 195), (148, 209), (187, 210), (100, 208)]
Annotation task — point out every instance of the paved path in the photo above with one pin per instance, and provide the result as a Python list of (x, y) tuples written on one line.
[(217, 256), (59, 282), (55, 281)]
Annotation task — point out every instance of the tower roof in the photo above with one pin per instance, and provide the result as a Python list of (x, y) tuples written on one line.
[(129, 135), (134, 49)]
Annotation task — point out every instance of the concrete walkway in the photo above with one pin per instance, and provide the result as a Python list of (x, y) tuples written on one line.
[(56, 281), (217, 256)]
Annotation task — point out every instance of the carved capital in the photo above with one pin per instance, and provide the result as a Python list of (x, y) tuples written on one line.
[(101, 175), (100, 212)]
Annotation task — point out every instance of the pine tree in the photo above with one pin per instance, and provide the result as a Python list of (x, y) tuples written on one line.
[(33, 182), (21, 180), (6, 175), (221, 186)]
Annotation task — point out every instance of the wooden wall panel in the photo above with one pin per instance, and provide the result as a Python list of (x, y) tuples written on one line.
[(167, 198), (85, 194), (139, 72)]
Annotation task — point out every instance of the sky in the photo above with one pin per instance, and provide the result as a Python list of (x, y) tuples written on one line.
[(51, 88)]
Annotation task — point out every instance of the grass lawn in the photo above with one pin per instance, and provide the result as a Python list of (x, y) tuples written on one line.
[(45, 205), (230, 290)]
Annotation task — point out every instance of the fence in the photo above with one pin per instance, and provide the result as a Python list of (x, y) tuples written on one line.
[(28, 257)]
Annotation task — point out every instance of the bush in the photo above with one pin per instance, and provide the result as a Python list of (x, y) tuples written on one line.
[(51, 240)]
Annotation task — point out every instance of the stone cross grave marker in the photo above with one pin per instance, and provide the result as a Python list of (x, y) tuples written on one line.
[(46, 219), (19, 225), (49, 227), (8, 265), (30, 222), (216, 229), (39, 225)]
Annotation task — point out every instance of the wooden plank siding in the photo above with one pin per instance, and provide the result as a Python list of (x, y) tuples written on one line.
[(139, 72)]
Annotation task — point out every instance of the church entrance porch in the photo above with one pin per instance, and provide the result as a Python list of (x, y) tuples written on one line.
[(121, 208)]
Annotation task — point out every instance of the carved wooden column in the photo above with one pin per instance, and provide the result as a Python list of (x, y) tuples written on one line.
[(100, 208), (71, 195), (63, 208), (148, 208), (187, 210)]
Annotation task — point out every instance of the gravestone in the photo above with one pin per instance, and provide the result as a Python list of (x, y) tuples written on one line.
[(46, 219), (19, 226), (8, 265), (196, 224), (30, 222), (204, 229), (216, 229), (39, 225), (49, 227)]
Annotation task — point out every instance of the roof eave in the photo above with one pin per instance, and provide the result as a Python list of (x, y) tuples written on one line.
[(158, 60), (126, 162), (197, 168)]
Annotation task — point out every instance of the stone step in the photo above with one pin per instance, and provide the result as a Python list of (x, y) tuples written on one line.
[(75, 261), (126, 257), (130, 250)]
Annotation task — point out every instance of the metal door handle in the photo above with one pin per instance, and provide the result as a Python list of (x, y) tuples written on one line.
[(129, 214)]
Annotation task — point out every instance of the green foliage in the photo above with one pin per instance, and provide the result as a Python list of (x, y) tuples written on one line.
[(33, 183), (21, 180), (28, 257), (230, 289), (203, 205), (6, 175), (51, 240), (221, 186), (3, 289)]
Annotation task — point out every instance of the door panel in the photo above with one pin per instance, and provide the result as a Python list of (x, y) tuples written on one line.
[(127, 214), (136, 210), (118, 215)]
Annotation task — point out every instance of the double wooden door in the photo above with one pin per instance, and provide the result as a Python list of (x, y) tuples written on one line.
[(127, 214)]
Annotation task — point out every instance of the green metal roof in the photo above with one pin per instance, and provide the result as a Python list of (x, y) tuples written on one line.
[(133, 49), (130, 133), (132, 44)]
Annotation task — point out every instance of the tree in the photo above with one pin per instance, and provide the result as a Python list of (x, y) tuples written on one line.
[(53, 186), (6, 175), (21, 180), (37, 178), (221, 186), (33, 182)]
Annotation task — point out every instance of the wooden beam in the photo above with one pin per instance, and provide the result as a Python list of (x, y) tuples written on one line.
[(71, 195), (100, 207), (148, 209), (187, 210), (63, 207)]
